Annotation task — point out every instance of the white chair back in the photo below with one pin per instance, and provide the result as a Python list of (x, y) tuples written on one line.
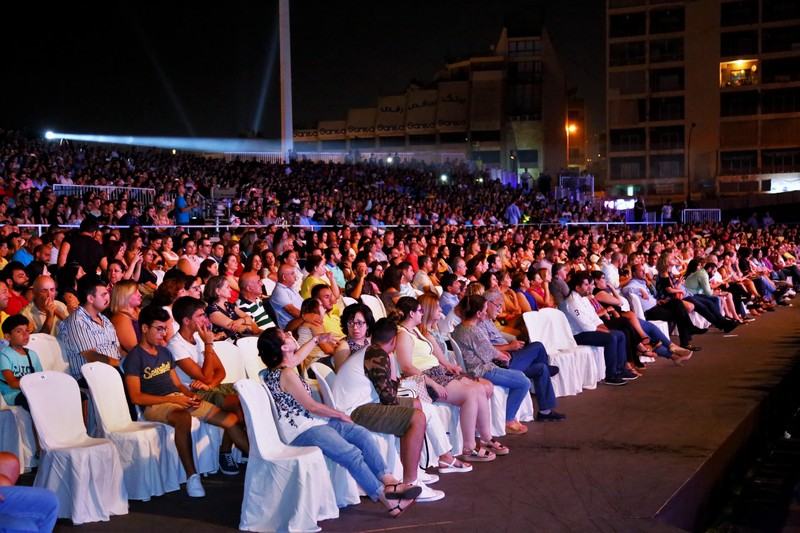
[(325, 377), (438, 290), (269, 285), (55, 403), (348, 301), (636, 304), (551, 328), (259, 413), (228, 354), (248, 351), (375, 305), (108, 396), (50, 352), (457, 353)]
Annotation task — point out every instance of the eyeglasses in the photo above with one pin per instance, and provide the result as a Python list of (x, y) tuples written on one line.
[(160, 329), (194, 288), (356, 323)]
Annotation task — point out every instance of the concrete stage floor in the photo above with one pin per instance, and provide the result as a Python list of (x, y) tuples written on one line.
[(643, 457)]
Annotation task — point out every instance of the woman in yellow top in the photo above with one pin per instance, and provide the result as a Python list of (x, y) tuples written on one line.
[(415, 355), (317, 273)]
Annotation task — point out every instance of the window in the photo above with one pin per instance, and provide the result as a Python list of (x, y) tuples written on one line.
[(668, 79), (627, 25), (738, 104), (781, 70), (739, 73), (628, 82), (663, 50), (527, 47), (666, 20), (667, 138), (780, 39), (785, 160), (666, 166), (621, 54), (781, 10), (628, 140), (781, 101), (666, 108), (739, 13), (627, 168), (740, 162), (739, 43)]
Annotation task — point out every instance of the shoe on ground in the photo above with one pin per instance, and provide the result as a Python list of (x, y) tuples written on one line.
[(424, 477), (646, 359), (227, 465), (451, 468), (729, 326), (552, 416), (628, 375), (194, 487), (699, 331), (553, 370), (428, 494), (615, 380), (692, 347)]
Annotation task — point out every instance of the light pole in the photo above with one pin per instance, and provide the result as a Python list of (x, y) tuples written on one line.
[(570, 129), (689, 166)]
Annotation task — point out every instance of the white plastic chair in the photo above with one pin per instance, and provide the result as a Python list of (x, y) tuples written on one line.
[(636, 306), (50, 352), (269, 285), (348, 301), (230, 356), (580, 367), (286, 488), (248, 350), (149, 457), (375, 305), (85, 473)]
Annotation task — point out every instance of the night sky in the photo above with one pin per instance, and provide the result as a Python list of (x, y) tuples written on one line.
[(174, 69)]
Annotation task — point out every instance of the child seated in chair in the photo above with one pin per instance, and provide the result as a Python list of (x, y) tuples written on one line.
[(16, 360)]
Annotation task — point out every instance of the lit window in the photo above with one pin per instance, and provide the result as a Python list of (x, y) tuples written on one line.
[(738, 73)]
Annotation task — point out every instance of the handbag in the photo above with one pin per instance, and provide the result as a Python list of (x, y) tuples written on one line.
[(417, 385)]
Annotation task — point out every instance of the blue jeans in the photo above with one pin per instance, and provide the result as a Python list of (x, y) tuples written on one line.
[(613, 344), (28, 509), (352, 447), (655, 334), (518, 386), (532, 360)]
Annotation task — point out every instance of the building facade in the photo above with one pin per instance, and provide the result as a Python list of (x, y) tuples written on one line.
[(703, 97)]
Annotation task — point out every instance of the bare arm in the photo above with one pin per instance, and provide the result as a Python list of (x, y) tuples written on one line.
[(290, 382), (403, 350)]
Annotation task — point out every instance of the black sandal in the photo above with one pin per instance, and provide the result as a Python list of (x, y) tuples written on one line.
[(410, 493), (400, 509)]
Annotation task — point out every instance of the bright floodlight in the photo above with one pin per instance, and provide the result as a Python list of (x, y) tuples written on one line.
[(389, 160), (443, 178), (179, 143)]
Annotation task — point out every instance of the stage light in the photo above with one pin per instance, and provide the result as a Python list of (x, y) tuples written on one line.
[(177, 143), (389, 160), (443, 177)]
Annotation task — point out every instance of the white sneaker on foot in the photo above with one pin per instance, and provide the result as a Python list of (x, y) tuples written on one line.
[(428, 479), (194, 487), (428, 494)]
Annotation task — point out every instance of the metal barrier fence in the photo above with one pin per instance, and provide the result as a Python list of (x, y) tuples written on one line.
[(701, 216), (143, 196)]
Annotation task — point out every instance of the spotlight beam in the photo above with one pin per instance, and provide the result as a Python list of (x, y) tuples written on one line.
[(177, 143)]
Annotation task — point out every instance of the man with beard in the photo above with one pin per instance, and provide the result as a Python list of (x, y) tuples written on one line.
[(16, 279)]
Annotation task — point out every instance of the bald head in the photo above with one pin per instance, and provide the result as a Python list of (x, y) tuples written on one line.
[(286, 275), (250, 285), (44, 289)]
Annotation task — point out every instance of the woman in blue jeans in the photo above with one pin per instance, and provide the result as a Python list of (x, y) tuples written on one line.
[(480, 356), (306, 422)]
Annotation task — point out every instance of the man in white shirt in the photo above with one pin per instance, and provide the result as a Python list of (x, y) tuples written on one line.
[(422, 279), (589, 330), (200, 370), (286, 300)]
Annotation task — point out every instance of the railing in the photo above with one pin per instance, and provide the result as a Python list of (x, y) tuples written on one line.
[(142, 196), (701, 216)]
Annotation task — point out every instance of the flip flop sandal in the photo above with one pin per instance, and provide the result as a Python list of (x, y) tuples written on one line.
[(496, 447), (450, 468), (478, 455), (398, 509), (410, 493)]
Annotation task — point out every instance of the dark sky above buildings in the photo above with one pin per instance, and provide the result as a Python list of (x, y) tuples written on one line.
[(175, 69)]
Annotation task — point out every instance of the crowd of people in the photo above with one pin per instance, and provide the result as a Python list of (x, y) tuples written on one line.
[(450, 265)]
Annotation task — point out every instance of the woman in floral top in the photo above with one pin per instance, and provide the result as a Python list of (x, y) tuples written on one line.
[(306, 422)]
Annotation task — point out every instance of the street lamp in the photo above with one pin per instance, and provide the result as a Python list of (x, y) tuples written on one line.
[(570, 128)]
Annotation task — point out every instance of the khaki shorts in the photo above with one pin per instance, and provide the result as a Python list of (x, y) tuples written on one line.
[(161, 411), (388, 419), (218, 394)]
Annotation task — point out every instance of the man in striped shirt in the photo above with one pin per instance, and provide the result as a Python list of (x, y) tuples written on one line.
[(250, 302)]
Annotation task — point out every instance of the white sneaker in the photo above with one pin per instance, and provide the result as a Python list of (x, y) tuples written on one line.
[(428, 494), (428, 479), (194, 487)]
